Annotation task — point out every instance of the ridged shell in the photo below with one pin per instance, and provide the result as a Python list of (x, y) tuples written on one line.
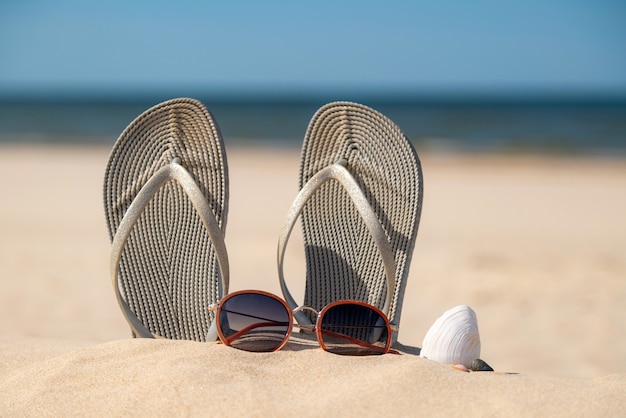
[(453, 338)]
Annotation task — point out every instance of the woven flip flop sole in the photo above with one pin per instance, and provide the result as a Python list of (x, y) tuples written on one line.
[(342, 258), (168, 269)]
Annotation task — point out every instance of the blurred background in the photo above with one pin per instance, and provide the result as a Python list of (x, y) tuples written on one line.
[(531, 76)]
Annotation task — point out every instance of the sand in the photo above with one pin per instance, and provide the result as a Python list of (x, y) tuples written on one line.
[(535, 245)]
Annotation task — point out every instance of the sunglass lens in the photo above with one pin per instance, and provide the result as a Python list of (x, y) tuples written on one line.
[(254, 322), (353, 329)]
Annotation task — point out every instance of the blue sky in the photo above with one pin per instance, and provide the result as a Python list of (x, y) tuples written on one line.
[(309, 46)]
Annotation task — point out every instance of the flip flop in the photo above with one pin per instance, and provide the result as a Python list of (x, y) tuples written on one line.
[(166, 203), (360, 228)]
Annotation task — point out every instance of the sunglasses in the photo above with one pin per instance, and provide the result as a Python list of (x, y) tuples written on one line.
[(257, 321)]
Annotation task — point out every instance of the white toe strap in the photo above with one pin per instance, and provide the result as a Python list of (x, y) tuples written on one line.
[(172, 171), (340, 173)]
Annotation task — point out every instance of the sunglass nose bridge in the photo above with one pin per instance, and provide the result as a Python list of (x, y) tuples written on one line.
[(300, 323), (304, 308)]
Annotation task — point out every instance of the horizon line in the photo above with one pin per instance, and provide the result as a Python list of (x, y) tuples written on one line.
[(295, 95)]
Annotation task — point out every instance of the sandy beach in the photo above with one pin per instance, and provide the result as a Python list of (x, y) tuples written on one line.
[(535, 245)]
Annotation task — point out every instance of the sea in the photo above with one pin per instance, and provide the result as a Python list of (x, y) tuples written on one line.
[(544, 125)]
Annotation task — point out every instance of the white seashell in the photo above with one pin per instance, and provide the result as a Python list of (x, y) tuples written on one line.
[(453, 338)]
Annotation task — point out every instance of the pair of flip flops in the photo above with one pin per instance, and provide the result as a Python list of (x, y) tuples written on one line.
[(166, 205)]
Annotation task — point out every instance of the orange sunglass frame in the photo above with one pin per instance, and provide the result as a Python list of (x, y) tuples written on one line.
[(315, 328)]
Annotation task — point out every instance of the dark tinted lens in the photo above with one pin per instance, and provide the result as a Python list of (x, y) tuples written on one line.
[(254, 322), (354, 330)]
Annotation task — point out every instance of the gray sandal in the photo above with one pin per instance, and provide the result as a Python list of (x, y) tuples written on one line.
[(360, 228), (166, 203)]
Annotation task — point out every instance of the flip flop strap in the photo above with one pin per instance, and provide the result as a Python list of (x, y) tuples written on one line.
[(172, 171), (340, 173)]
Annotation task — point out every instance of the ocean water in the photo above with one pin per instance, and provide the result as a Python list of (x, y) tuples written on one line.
[(539, 126)]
